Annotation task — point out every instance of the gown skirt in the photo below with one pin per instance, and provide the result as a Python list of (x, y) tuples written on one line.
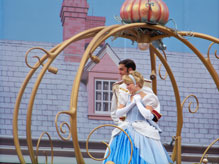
[(145, 149)]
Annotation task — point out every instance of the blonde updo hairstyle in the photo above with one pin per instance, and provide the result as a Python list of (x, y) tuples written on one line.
[(137, 76)]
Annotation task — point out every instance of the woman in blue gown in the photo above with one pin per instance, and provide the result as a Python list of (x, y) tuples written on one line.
[(142, 108)]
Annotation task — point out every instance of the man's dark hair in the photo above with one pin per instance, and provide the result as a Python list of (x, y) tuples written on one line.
[(128, 63)]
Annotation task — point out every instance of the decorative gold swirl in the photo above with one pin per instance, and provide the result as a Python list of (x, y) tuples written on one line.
[(61, 126), (166, 74), (214, 52), (159, 69), (37, 147), (37, 57), (189, 106), (101, 159), (204, 154)]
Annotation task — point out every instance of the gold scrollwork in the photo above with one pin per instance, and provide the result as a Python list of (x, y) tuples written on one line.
[(37, 57), (37, 147), (61, 126), (159, 69), (214, 52), (101, 159), (189, 106)]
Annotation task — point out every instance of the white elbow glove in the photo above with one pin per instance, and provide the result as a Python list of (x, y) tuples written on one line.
[(122, 111), (144, 112)]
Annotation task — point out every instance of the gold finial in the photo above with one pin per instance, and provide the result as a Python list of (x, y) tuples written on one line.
[(205, 160)]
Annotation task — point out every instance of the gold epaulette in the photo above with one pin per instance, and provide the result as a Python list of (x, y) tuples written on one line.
[(116, 85), (123, 89)]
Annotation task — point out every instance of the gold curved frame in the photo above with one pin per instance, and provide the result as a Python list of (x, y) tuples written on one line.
[(201, 160), (38, 144), (100, 34)]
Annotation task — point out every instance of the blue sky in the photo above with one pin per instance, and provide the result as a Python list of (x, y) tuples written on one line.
[(39, 20)]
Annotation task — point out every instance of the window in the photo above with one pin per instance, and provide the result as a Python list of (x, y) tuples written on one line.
[(103, 96)]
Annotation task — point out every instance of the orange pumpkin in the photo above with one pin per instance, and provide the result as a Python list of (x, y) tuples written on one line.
[(149, 11)]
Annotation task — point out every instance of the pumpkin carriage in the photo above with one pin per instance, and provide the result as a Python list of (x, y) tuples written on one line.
[(143, 21)]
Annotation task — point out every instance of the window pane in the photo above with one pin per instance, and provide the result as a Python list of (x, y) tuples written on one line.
[(105, 85), (105, 106), (98, 106), (98, 95), (111, 85), (98, 85), (105, 95)]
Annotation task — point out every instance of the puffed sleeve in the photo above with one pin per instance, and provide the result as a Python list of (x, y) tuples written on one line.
[(152, 100), (119, 97), (114, 104), (113, 108), (122, 98), (123, 94)]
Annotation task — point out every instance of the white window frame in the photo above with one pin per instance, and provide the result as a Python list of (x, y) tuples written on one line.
[(102, 101)]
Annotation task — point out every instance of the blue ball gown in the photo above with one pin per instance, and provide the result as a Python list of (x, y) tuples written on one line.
[(147, 148)]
